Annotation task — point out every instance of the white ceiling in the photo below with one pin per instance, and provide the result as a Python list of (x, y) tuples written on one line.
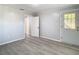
[(38, 8)]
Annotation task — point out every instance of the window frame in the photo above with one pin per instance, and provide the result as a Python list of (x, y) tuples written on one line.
[(64, 20)]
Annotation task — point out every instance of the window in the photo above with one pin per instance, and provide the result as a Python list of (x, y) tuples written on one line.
[(69, 21)]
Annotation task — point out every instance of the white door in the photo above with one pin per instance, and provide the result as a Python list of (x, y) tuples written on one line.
[(35, 26)]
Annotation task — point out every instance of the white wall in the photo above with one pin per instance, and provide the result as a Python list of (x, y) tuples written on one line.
[(50, 25), (11, 24)]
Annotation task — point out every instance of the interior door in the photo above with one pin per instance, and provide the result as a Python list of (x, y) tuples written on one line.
[(35, 26)]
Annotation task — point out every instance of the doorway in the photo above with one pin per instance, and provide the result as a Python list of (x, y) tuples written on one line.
[(27, 26)]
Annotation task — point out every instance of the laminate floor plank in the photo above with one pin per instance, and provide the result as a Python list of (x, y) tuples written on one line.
[(38, 46)]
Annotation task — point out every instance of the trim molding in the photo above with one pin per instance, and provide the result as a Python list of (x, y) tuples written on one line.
[(11, 41), (51, 39)]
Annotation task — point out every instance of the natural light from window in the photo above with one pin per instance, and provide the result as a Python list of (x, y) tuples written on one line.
[(69, 21)]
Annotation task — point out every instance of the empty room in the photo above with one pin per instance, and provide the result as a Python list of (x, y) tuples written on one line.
[(39, 29)]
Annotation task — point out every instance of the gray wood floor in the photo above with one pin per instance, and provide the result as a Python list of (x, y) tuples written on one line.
[(38, 46)]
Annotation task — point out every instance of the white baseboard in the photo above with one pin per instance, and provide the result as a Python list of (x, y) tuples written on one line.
[(11, 41), (51, 39)]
